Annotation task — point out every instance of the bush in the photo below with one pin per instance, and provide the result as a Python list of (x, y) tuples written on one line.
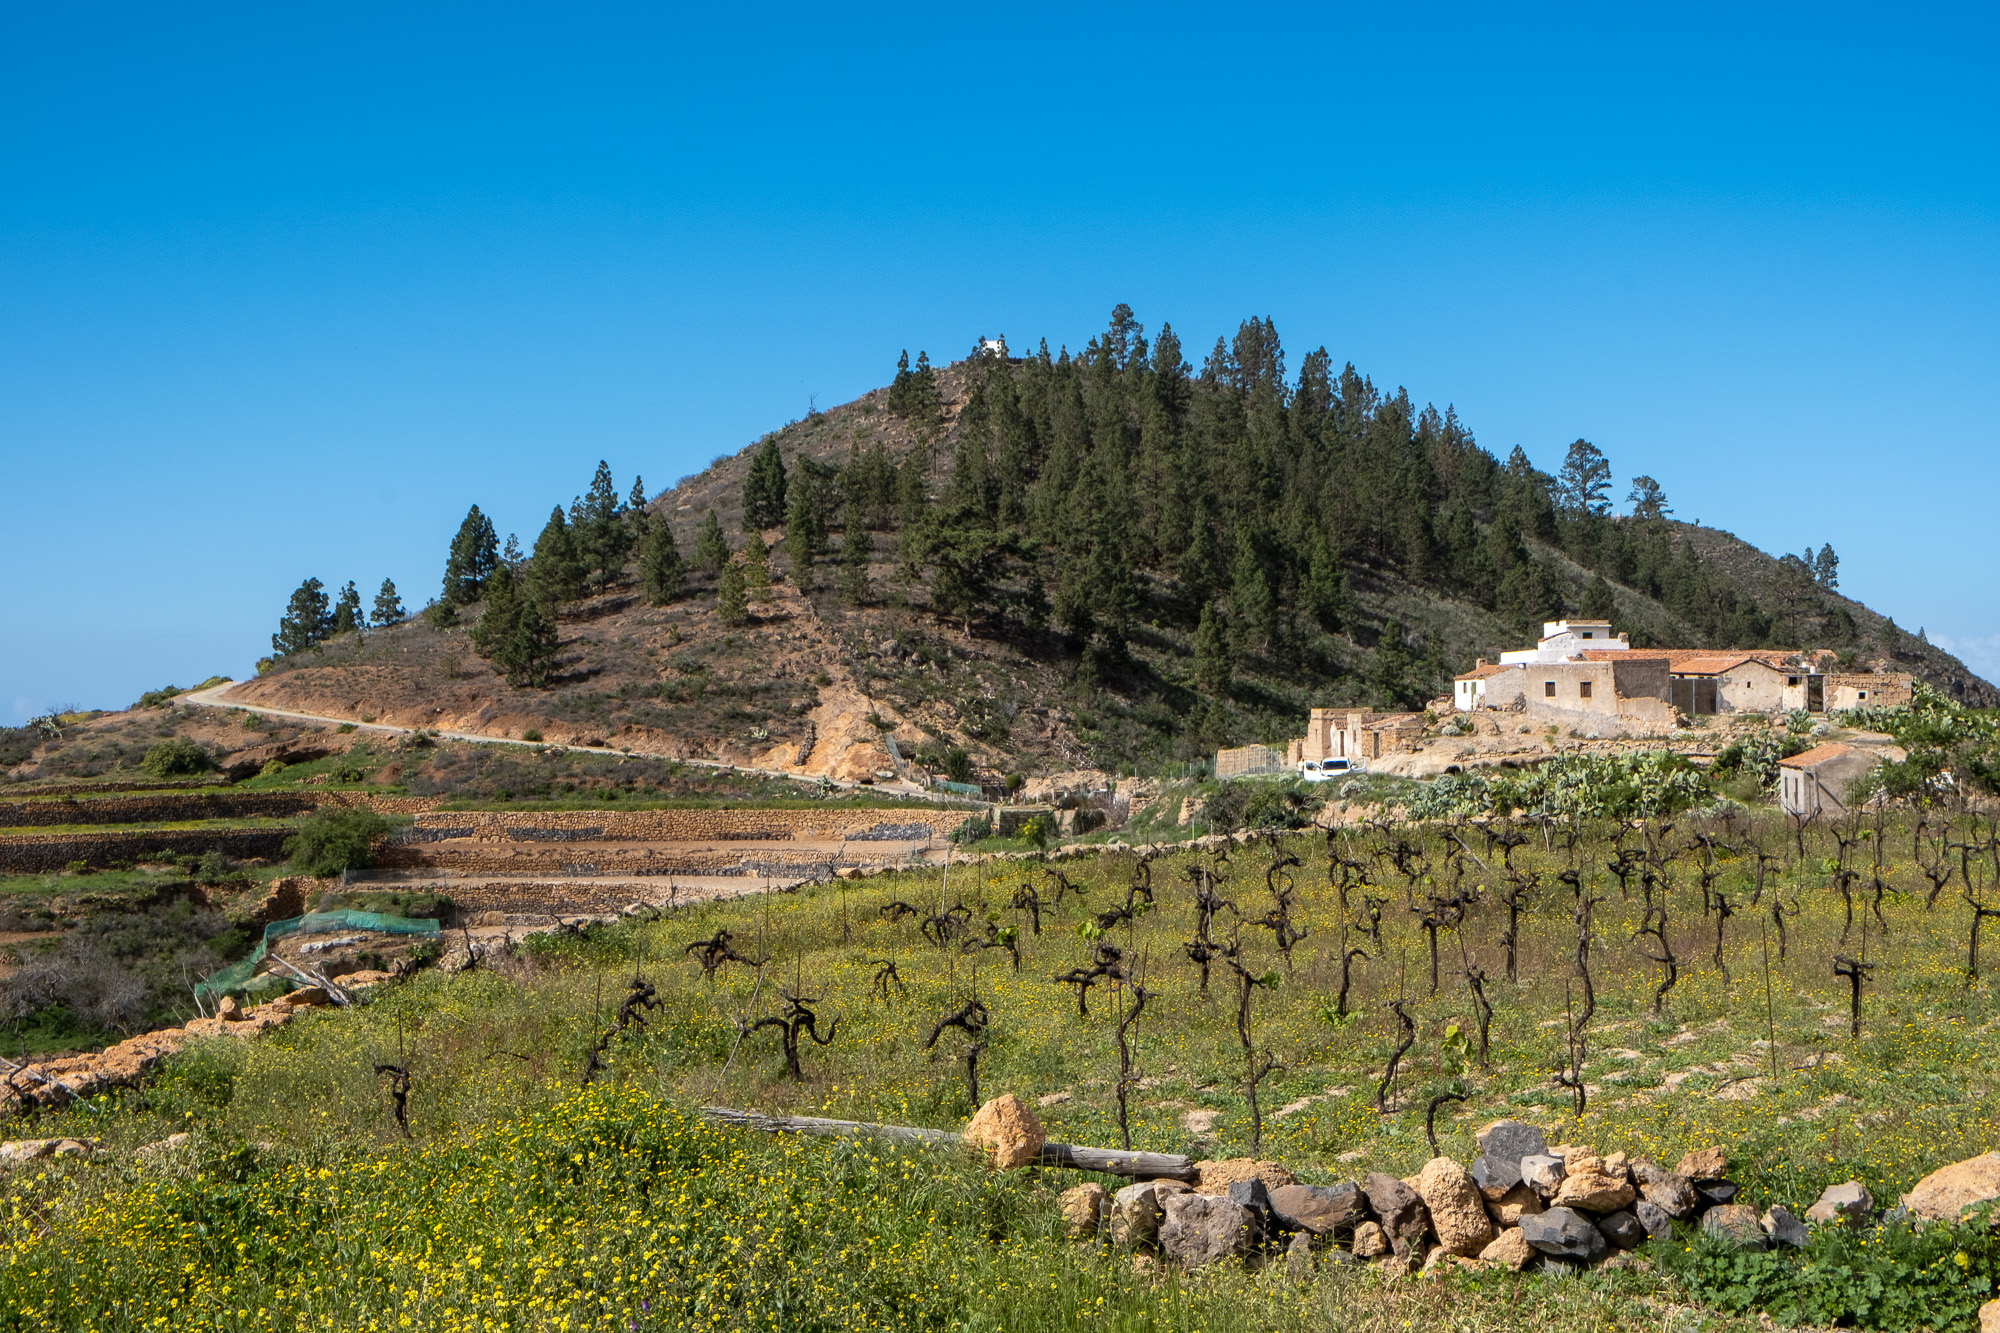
[(972, 830), (175, 756), (336, 840), (157, 698), (531, 734)]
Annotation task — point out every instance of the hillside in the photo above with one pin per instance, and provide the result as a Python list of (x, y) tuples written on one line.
[(1104, 560)]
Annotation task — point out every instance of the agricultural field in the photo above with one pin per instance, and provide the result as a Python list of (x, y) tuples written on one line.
[(1647, 987)]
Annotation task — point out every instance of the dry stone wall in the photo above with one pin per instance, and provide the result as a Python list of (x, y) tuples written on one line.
[(42, 855), (158, 809), (704, 825)]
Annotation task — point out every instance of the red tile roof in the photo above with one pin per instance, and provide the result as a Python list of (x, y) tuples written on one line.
[(1819, 754)]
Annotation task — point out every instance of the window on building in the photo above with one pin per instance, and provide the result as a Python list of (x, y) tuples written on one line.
[(1864, 694), (1791, 680), (1583, 689), (1548, 689), (1586, 634)]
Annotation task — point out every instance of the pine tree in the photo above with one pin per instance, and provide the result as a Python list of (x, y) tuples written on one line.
[(1391, 676), (510, 554), (1253, 608), (1201, 562), (556, 573), (805, 531), (1583, 486), (305, 622), (347, 614), (602, 535), (1600, 602), (764, 487), (1325, 592), (388, 606), (530, 658), (1649, 499), (854, 552), (493, 636), (731, 607), (661, 572), (1826, 568), (711, 548), (756, 565), (474, 551), (1211, 656)]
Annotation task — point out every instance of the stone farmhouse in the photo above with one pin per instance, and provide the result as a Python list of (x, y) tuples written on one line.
[(1581, 672), (1816, 782), (1358, 734)]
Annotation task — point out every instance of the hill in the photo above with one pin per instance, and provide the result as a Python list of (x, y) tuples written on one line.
[(1031, 564)]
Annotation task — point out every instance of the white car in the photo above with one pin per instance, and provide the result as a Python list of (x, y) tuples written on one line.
[(1326, 770)]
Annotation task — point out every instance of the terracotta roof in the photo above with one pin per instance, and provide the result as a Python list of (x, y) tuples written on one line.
[(1490, 669), (1678, 659), (1819, 754)]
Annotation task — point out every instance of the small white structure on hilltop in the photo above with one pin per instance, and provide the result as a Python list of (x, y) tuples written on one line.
[(1564, 640), (994, 347)]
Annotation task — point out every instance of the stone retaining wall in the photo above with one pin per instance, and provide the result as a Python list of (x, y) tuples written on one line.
[(716, 825), (560, 859), (159, 809), (42, 855)]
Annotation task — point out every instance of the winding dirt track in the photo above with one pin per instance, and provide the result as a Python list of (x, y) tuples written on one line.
[(217, 697)]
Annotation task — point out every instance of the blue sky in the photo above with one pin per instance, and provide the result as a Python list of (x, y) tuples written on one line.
[(283, 289)]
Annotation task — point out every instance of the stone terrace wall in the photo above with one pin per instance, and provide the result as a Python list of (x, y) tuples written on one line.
[(41, 855), (158, 809), (631, 859), (695, 825)]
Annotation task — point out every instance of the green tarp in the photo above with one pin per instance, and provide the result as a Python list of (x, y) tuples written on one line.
[(242, 975)]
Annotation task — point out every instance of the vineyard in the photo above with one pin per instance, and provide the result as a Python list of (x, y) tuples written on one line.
[(1811, 998)]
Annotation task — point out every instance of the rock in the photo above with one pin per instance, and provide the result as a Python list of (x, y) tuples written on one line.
[(161, 1149), (1564, 1233), (73, 1148), (1515, 1204), (1850, 1205), (1370, 1241), (1781, 1226), (1216, 1177), (1323, 1210), (16, 1151), (1736, 1223), (1543, 1174), (1458, 1214), (1007, 1132), (1616, 1167), (1657, 1220), (1707, 1164), (1989, 1317), (1668, 1191), (1299, 1257), (1510, 1248), (1135, 1216), (1716, 1191), (1586, 1186), (309, 997), (1080, 1209), (1623, 1230), (1502, 1145), (1945, 1194), (1254, 1198), (1400, 1210), (1052, 1098), (228, 1010), (1202, 1229)]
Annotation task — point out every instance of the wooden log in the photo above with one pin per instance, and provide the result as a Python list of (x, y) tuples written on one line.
[(1072, 1157)]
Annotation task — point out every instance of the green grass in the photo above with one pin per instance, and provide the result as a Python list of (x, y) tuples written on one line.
[(585, 1203)]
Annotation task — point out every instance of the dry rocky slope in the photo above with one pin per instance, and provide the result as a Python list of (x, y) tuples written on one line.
[(811, 686)]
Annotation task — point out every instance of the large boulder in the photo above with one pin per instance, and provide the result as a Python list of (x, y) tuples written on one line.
[(1216, 1177), (1323, 1210), (1657, 1221), (1458, 1214), (1945, 1194), (1400, 1210), (1202, 1229), (1007, 1132), (1849, 1204), (1502, 1145), (1736, 1223), (1081, 1208), (1564, 1233), (1253, 1196), (1989, 1317)]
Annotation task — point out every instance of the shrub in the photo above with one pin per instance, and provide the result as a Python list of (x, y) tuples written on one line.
[(531, 734), (972, 830), (158, 698), (336, 840), (175, 756)]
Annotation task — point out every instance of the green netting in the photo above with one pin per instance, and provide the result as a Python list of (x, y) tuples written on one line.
[(242, 975)]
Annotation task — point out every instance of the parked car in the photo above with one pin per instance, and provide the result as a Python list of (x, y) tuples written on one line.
[(1326, 770)]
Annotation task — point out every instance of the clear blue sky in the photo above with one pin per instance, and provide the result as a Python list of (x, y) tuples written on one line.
[(284, 288)]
